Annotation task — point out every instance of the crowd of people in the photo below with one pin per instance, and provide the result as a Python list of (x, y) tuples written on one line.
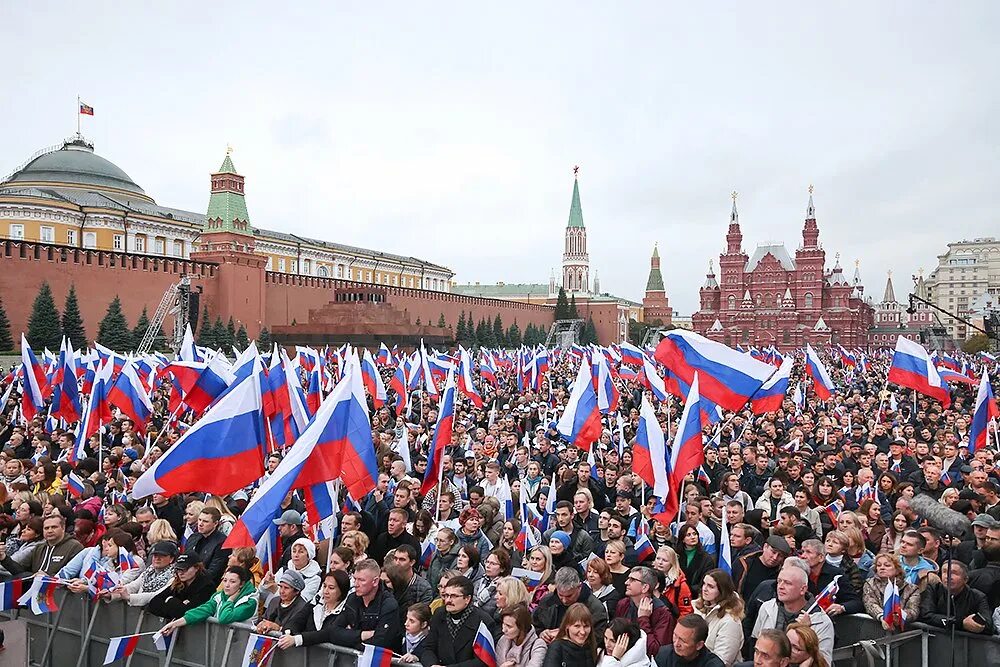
[(796, 517)]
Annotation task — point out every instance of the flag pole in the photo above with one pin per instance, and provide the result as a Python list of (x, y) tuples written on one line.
[(78, 115)]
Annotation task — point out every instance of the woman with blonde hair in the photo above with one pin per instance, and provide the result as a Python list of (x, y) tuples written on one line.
[(540, 560), (676, 591), (857, 551), (804, 643), (887, 568), (614, 556), (722, 608), (160, 531), (357, 542)]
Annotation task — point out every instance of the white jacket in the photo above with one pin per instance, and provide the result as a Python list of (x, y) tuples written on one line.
[(725, 635), (634, 657), (821, 623)]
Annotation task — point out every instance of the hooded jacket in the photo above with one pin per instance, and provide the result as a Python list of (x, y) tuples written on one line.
[(634, 657), (531, 652), (48, 558), (224, 610)]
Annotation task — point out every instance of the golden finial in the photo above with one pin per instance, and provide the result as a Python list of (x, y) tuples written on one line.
[(857, 264), (810, 188), (576, 170), (735, 195), (229, 149)]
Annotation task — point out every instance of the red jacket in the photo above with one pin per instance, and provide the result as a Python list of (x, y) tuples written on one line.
[(658, 626)]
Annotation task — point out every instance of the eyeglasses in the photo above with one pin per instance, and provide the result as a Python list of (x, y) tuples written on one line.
[(454, 596)]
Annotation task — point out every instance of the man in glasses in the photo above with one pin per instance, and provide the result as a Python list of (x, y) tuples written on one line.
[(651, 613), (453, 629)]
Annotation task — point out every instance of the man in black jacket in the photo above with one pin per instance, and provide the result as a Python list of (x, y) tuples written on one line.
[(987, 579), (207, 543), (453, 629), (370, 616), (822, 573), (969, 608)]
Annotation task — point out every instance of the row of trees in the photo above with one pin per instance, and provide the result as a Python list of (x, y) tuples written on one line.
[(46, 327), (225, 336)]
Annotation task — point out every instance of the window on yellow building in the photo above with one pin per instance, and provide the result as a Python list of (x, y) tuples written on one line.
[(17, 231), (90, 239), (47, 235), (118, 243), (71, 237)]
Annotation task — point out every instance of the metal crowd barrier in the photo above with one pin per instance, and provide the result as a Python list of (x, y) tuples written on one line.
[(80, 631), (860, 636)]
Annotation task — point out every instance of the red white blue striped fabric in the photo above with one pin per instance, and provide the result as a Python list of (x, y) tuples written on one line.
[(912, 368)]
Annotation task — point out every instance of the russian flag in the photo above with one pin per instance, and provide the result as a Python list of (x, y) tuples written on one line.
[(652, 380), (529, 578), (827, 596), (74, 485), (952, 376), (427, 551), (912, 368), (465, 384), (337, 443), (649, 455), (314, 395), (10, 592), (487, 369), (121, 647), (33, 382), (892, 609), (985, 411), (65, 393), (398, 383), (213, 381), (126, 561), (632, 355), (268, 547), (375, 656), (687, 451), (373, 380), (822, 384), (426, 373), (643, 548), (131, 398), (607, 392), (483, 646), (725, 548), (221, 453), (384, 357), (728, 378), (772, 393), (258, 650), (442, 436), (580, 423)]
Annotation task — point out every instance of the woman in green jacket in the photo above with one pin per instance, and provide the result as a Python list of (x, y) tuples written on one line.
[(237, 601)]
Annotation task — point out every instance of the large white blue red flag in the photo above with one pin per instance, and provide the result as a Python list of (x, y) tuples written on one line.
[(337, 443), (221, 453), (912, 368), (772, 393), (649, 455), (984, 412), (728, 378), (34, 382), (443, 431), (580, 423), (822, 383)]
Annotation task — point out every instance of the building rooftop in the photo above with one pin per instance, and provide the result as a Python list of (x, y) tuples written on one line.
[(777, 250)]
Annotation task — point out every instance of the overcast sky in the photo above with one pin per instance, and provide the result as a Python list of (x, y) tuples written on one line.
[(449, 131)]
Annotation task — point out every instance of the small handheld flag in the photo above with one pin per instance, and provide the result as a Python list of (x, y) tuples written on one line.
[(10, 592), (41, 596), (375, 656), (643, 548), (121, 647), (483, 646), (892, 609), (827, 596), (529, 578), (258, 651)]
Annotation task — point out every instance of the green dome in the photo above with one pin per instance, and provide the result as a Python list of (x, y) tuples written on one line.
[(76, 165)]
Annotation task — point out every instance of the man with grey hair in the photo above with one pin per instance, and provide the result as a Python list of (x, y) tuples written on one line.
[(795, 603), (570, 589), (823, 570), (650, 612)]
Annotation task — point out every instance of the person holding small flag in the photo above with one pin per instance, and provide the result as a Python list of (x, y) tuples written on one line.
[(237, 601), (794, 603), (454, 629), (822, 573), (887, 572)]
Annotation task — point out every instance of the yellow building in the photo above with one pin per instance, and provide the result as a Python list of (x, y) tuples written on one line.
[(69, 195)]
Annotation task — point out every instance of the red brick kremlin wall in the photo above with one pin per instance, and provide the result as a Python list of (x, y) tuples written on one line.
[(140, 281)]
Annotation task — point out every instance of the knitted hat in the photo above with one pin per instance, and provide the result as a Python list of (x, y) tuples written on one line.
[(563, 537), (293, 579), (307, 545)]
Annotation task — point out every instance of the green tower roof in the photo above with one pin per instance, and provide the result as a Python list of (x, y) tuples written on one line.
[(655, 281), (227, 207), (575, 210)]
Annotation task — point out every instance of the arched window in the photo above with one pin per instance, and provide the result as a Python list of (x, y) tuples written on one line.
[(732, 302), (808, 300), (322, 272)]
